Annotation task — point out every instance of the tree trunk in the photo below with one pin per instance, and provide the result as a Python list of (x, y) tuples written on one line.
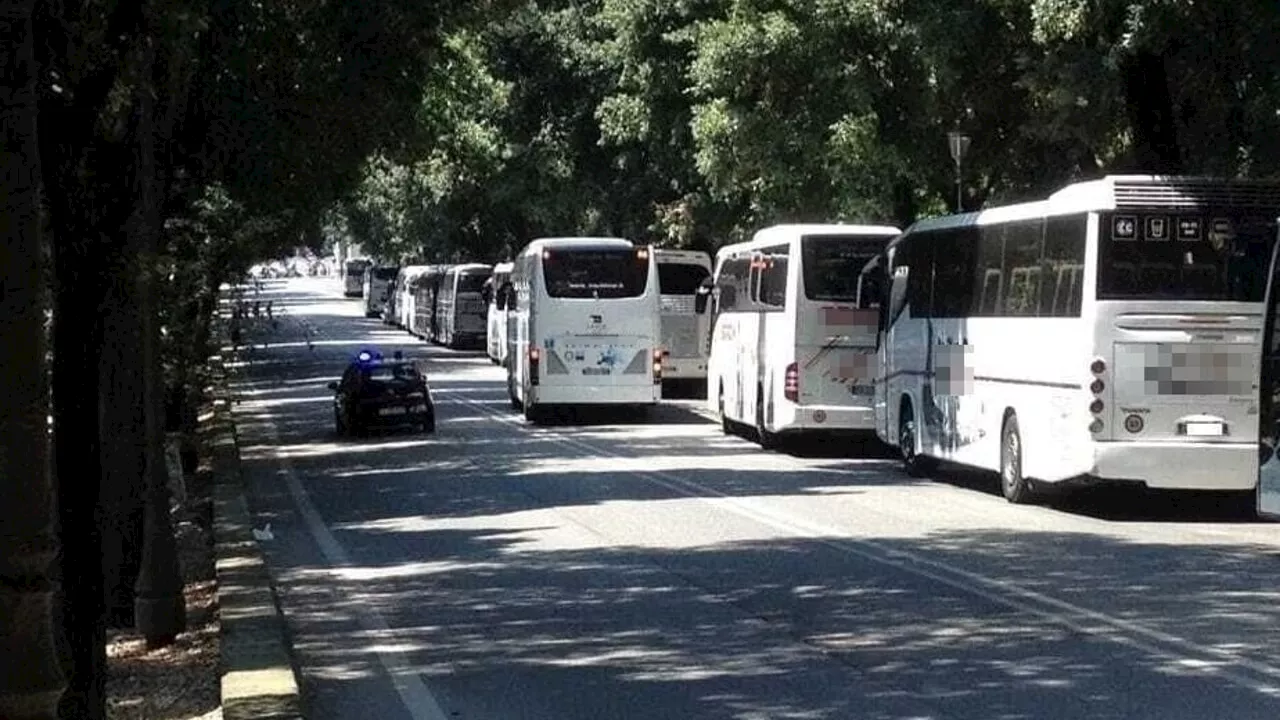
[(1150, 109), (124, 450), (30, 681), (159, 606)]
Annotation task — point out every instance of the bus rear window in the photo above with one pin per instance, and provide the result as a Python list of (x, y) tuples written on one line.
[(680, 278), (1184, 256), (832, 264), (599, 274), (471, 283), (386, 273)]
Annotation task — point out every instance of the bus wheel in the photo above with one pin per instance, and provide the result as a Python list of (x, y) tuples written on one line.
[(915, 464), (1013, 484), (767, 440)]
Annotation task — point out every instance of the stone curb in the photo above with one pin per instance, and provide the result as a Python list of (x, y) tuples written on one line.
[(258, 676)]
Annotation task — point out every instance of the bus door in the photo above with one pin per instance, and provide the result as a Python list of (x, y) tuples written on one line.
[(1269, 396)]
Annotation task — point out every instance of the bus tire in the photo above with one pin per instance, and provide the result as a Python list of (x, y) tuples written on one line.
[(1015, 486), (913, 463), (767, 440), (726, 426), (536, 414)]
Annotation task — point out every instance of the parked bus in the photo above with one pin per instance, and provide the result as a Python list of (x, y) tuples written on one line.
[(377, 288), (402, 295), (791, 353), (1267, 498), (684, 331), (583, 326), (425, 290), (461, 313), (1108, 333), (353, 272), (495, 297)]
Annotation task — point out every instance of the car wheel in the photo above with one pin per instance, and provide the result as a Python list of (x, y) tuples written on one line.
[(429, 425), (339, 426)]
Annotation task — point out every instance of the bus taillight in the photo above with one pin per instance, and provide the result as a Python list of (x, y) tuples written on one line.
[(657, 366), (534, 356), (791, 383), (1098, 367)]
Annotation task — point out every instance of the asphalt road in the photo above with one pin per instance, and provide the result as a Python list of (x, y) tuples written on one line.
[(615, 567)]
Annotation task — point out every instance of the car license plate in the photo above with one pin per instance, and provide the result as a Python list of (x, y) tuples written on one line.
[(391, 411), (1205, 429), (595, 371)]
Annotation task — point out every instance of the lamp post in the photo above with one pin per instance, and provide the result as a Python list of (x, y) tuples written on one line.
[(959, 144)]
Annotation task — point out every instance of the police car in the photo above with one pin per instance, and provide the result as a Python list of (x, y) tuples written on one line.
[(377, 392)]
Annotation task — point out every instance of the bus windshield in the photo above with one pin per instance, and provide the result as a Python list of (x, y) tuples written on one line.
[(471, 282), (601, 274), (1184, 256), (832, 264), (680, 278)]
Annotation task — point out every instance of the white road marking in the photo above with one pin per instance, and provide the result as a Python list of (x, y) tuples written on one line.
[(1176, 649), (415, 695)]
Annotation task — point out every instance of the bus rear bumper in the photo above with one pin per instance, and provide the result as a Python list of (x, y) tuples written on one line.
[(684, 369), (545, 394), (827, 418), (1178, 465)]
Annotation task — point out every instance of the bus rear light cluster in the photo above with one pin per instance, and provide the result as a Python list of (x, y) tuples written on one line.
[(657, 366), (1097, 367), (791, 383), (534, 357)]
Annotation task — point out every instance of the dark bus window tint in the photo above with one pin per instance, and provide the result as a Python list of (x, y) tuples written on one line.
[(1022, 248), (1063, 276), (471, 282), (919, 263), (955, 254), (602, 274), (732, 283), (1169, 255), (832, 262), (680, 278), (988, 298), (386, 273)]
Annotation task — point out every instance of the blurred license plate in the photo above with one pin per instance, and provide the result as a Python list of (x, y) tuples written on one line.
[(418, 408), (391, 411), (595, 371), (1204, 429)]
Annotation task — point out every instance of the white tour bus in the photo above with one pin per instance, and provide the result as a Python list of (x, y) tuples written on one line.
[(1267, 498), (496, 297), (461, 313), (402, 296), (684, 331), (353, 272), (425, 291), (790, 350), (1109, 333), (583, 325), (377, 288)]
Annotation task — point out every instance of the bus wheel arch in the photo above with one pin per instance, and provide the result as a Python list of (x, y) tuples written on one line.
[(767, 440), (1014, 484)]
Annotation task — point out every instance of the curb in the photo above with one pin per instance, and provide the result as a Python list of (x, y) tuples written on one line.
[(258, 677)]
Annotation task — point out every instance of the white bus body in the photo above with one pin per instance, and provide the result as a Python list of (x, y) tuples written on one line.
[(353, 272), (1108, 333), (461, 312), (583, 325), (684, 331), (377, 287), (790, 350), (402, 295), (496, 336)]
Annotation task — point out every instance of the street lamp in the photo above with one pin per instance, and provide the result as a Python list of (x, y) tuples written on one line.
[(959, 144)]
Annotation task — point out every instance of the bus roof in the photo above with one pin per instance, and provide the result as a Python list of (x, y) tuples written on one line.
[(504, 267), (1115, 192), (688, 256), (785, 233), (554, 243), (469, 269)]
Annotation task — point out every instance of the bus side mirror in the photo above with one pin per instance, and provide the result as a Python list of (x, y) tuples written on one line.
[(486, 294), (700, 301)]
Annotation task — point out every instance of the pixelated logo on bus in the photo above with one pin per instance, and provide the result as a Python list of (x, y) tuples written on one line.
[(953, 369), (1187, 369)]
